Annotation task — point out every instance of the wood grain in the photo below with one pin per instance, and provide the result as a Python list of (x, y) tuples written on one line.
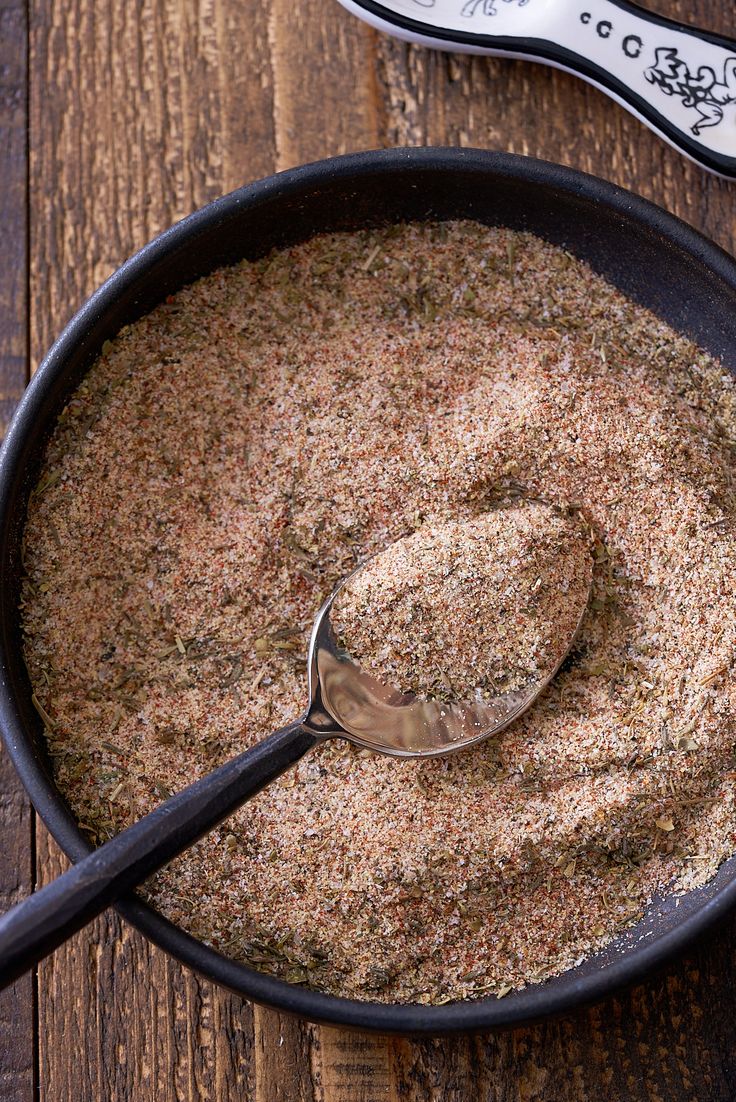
[(326, 95), (17, 1061), (138, 114)]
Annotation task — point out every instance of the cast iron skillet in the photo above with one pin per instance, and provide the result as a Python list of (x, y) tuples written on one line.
[(650, 255)]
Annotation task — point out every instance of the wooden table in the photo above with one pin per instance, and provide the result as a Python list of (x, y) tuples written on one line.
[(117, 119)]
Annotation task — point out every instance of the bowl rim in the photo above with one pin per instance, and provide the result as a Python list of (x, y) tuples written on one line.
[(532, 1003)]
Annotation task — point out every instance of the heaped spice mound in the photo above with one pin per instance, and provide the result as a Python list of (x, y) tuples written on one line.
[(469, 609), (236, 453)]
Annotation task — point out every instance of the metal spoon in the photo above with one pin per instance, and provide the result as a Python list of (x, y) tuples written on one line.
[(344, 702), (679, 80)]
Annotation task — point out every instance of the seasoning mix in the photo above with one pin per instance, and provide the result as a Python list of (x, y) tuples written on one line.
[(237, 452), (469, 610)]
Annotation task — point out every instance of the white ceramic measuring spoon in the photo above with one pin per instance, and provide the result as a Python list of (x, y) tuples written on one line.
[(679, 80)]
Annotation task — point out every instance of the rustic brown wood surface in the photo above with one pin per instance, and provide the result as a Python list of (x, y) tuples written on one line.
[(137, 114), (17, 850)]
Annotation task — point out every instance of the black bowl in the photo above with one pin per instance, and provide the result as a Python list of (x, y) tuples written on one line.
[(648, 254)]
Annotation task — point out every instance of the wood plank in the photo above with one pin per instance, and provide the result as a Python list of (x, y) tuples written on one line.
[(138, 117), (17, 1016), (282, 1063), (353, 1066), (326, 98), (136, 120), (13, 209)]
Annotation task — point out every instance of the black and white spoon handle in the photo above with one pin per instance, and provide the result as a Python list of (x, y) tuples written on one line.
[(679, 80)]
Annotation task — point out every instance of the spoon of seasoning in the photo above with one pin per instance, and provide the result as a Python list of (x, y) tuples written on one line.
[(434, 644)]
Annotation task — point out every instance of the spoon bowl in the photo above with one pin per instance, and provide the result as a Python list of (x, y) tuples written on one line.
[(347, 701)]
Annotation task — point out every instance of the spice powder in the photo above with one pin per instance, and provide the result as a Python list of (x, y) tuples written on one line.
[(237, 452), (469, 610)]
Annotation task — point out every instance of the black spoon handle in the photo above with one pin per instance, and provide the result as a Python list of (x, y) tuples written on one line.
[(32, 929)]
